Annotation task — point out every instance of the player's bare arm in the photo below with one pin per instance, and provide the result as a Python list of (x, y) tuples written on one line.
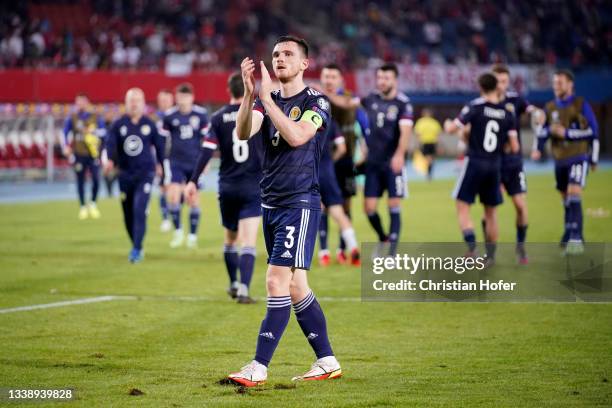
[(294, 133), (339, 150), (247, 124), (399, 158), (515, 147), (452, 126), (343, 101)]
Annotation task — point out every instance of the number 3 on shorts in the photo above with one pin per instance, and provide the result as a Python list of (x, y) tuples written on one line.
[(290, 240)]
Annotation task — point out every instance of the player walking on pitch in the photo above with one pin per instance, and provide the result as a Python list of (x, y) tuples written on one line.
[(512, 171), (491, 126), (573, 130), (354, 127), (129, 146), (390, 116), (239, 196), (185, 127), (292, 120), (84, 133), (331, 197), (165, 101)]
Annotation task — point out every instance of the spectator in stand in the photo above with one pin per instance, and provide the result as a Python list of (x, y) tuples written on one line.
[(352, 33)]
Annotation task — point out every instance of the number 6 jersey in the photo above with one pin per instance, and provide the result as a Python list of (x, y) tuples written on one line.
[(491, 124)]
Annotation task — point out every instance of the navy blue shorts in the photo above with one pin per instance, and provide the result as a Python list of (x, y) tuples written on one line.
[(329, 188), (513, 179), (480, 178), (428, 149), (177, 172), (290, 235), (138, 187), (236, 206), (379, 179), (571, 173)]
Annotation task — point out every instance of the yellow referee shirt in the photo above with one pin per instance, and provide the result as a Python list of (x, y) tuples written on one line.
[(428, 130)]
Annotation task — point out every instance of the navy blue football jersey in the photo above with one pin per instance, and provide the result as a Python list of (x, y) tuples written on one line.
[(385, 116), (240, 159), (291, 174), (517, 105), (131, 145), (332, 137), (490, 126), (185, 133)]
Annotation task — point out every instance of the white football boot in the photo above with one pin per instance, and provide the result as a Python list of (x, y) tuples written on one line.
[(93, 211), (250, 375), (192, 241), (83, 213), (165, 226), (177, 239), (325, 368)]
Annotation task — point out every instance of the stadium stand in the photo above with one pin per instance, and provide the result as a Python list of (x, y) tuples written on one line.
[(215, 34)]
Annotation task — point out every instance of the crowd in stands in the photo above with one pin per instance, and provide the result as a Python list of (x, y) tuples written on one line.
[(217, 34)]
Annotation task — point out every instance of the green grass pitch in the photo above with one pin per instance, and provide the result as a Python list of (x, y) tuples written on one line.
[(182, 334)]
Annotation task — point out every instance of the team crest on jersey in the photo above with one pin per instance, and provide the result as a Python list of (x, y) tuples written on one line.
[(132, 146), (175, 122), (295, 113), (392, 112), (510, 107), (323, 104), (194, 121), (555, 116), (123, 130), (145, 130)]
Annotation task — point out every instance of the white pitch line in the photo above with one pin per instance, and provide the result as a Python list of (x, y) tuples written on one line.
[(66, 303), (109, 298)]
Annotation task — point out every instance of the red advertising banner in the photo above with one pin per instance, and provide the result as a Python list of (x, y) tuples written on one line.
[(110, 86), (441, 79)]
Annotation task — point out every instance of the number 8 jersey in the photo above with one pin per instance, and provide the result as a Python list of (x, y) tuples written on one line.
[(490, 126), (240, 168)]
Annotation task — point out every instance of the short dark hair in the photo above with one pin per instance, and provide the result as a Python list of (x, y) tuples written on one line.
[(566, 73), (333, 65), (487, 82), (235, 85), (427, 109), (185, 87), (500, 69), (299, 41), (389, 66), (164, 91)]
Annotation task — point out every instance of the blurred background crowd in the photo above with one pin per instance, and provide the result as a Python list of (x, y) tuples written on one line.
[(216, 34)]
